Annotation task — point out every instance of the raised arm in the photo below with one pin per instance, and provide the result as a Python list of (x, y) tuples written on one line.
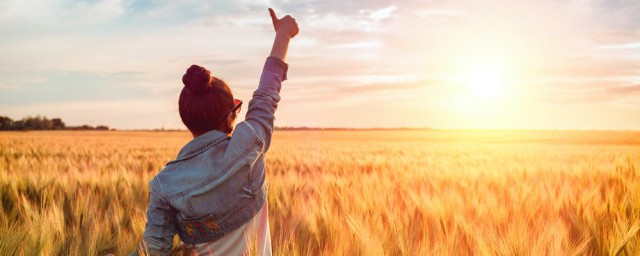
[(262, 107), (286, 28)]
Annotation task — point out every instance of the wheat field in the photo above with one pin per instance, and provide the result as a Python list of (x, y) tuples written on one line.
[(402, 192)]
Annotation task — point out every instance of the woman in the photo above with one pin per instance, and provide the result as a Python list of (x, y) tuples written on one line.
[(214, 194)]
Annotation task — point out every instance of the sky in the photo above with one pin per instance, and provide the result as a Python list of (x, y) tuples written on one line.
[(443, 64)]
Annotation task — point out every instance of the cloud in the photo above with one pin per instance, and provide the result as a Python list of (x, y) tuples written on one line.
[(74, 86), (66, 51), (383, 13), (376, 87), (624, 46), (358, 45), (625, 89), (121, 114), (425, 13), (32, 17), (7, 87)]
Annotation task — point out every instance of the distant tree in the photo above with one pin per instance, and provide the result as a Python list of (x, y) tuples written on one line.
[(5, 123), (57, 124), (37, 123), (29, 123), (18, 125), (42, 123)]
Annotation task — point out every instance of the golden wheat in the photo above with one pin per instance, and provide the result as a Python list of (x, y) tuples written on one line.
[(344, 192)]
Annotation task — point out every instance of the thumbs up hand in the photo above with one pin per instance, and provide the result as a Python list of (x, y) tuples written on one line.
[(285, 26)]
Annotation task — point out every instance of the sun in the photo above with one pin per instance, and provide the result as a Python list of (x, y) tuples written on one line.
[(485, 81)]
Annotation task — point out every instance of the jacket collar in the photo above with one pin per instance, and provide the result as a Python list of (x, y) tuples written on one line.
[(201, 143)]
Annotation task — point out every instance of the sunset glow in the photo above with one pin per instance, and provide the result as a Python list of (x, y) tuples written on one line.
[(220, 127), (485, 82), (115, 62)]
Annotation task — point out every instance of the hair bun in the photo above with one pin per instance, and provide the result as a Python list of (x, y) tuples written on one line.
[(197, 79)]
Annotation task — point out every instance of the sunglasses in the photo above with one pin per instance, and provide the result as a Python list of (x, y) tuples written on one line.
[(235, 110)]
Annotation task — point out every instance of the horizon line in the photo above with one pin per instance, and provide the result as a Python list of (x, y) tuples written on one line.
[(307, 128)]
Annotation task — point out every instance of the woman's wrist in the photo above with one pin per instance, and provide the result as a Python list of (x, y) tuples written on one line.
[(280, 46)]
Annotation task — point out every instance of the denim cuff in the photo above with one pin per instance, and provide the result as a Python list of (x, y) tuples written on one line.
[(277, 66)]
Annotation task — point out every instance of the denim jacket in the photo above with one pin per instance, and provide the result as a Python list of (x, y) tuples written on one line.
[(217, 183)]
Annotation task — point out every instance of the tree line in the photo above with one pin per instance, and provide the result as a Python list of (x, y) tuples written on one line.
[(41, 123)]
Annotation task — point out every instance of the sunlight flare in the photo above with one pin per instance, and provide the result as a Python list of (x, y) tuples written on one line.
[(485, 81)]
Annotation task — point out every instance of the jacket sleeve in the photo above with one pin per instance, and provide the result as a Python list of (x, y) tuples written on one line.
[(262, 107), (160, 228)]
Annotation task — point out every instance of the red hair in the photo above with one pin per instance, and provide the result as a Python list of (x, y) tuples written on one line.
[(203, 101)]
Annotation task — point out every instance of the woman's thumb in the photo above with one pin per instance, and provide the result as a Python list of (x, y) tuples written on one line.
[(274, 19)]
